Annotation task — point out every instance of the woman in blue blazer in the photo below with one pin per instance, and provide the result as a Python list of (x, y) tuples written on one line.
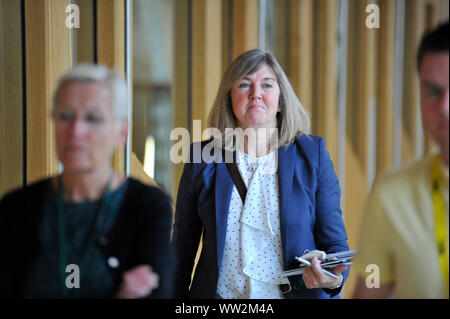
[(280, 198)]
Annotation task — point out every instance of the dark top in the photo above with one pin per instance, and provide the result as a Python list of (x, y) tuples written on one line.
[(137, 232), (97, 280)]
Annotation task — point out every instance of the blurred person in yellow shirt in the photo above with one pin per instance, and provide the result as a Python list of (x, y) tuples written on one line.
[(403, 248)]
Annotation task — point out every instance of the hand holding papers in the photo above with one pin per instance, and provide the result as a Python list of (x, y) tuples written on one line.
[(327, 261), (307, 263)]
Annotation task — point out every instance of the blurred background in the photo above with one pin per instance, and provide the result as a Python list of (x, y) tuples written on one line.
[(351, 63)]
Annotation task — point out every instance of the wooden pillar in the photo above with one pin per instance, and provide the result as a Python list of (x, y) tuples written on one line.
[(85, 34), (301, 50), (366, 74), (111, 49), (385, 87), (48, 56), (206, 57), (414, 21), (281, 45), (181, 80), (324, 116), (356, 178), (11, 102), (245, 26), (227, 34)]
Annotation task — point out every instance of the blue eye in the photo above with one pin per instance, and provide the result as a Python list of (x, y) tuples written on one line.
[(243, 85), (267, 86)]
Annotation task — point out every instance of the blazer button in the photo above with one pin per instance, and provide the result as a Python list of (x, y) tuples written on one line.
[(113, 262), (103, 240)]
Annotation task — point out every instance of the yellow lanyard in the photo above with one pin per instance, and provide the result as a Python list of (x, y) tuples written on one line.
[(439, 221)]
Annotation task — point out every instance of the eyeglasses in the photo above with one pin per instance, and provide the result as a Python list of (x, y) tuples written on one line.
[(67, 117)]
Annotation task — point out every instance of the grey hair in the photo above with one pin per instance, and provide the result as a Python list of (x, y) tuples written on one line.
[(113, 79), (292, 120)]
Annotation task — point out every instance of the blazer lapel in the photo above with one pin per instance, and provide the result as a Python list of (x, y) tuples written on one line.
[(286, 164), (223, 190)]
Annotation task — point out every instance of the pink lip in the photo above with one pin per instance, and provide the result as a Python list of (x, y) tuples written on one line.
[(256, 106)]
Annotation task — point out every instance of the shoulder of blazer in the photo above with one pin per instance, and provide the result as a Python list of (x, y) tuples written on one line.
[(310, 146), (197, 161)]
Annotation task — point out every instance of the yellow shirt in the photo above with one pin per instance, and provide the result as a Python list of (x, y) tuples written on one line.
[(398, 232)]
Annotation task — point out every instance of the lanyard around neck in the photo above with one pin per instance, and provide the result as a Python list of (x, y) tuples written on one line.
[(439, 221), (94, 233)]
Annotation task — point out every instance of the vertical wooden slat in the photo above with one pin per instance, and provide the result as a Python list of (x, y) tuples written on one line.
[(85, 34), (414, 20), (245, 26), (227, 34), (352, 83), (385, 84), (11, 124), (111, 33), (180, 79), (356, 178), (301, 50), (48, 56), (206, 57), (281, 39), (366, 80), (111, 49), (325, 92)]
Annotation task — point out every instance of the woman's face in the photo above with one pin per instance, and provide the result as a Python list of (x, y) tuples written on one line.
[(87, 132), (255, 99)]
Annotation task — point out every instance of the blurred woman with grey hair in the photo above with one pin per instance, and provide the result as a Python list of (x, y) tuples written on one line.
[(276, 199), (88, 232)]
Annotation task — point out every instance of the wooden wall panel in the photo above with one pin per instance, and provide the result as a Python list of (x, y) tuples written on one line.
[(85, 34), (356, 193), (281, 27), (48, 56), (366, 74), (111, 49), (360, 90), (245, 26), (385, 87), (227, 34), (414, 27), (324, 115), (11, 102), (180, 92), (206, 57), (301, 50)]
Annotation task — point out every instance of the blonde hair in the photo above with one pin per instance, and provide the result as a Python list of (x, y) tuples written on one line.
[(292, 120), (111, 78)]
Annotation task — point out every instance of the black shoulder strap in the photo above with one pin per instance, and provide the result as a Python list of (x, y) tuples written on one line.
[(237, 179)]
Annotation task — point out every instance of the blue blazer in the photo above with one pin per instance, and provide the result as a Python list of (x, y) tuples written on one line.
[(310, 216)]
